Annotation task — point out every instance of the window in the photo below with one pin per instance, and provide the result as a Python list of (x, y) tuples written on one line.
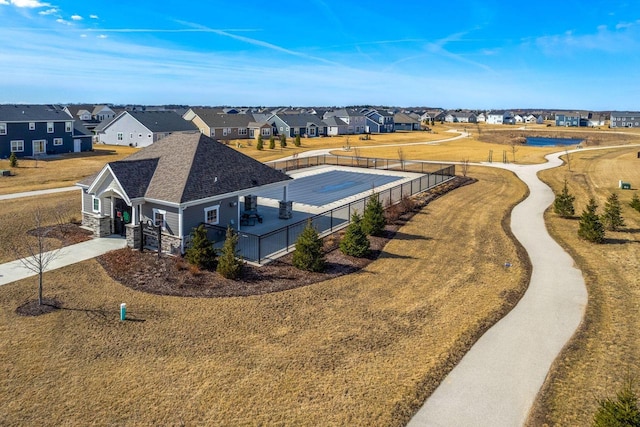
[(281, 128), (39, 146), (49, 127), (213, 132), (17, 146), (149, 136), (242, 131), (159, 218), (68, 126), (130, 136), (32, 126), (96, 204), (3, 128), (224, 132), (212, 215), (57, 141), (266, 131), (120, 136)]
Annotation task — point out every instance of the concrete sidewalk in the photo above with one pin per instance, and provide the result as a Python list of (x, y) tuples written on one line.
[(37, 193), (15, 270), (496, 382)]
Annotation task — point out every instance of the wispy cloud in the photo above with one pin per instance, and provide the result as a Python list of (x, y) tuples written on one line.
[(32, 4), (94, 16), (623, 39), (63, 21), (76, 18), (438, 48), (51, 11)]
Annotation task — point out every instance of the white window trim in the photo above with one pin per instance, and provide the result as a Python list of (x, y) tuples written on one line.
[(68, 126), (242, 131), (19, 148), (44, 146), (58, 141), (119, 136), (209, 209), (162, 212), (266, 131), (3, 128), (50, 127), (32, 125), (93, 204)]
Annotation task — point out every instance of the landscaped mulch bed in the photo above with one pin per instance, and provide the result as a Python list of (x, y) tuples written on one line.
[(67, 234), (166, 275)]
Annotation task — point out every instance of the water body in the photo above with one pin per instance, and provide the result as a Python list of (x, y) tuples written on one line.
[(547, 142)]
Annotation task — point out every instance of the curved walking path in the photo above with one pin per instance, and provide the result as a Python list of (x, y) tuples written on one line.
[(496, 382)]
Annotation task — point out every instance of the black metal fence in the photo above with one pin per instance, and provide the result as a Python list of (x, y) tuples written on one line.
[(271, 245)]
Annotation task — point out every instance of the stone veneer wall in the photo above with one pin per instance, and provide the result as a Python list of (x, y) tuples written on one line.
[(170, 243), (100, 225)]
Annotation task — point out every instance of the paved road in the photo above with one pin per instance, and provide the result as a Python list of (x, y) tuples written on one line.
[(15, 270), (497, 381)]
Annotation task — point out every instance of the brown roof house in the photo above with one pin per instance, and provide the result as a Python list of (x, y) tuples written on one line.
[(177, 183)]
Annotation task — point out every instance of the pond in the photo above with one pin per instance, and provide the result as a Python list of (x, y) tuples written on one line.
[(535, 141)]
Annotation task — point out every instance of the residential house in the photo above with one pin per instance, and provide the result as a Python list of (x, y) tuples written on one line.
[(303, 124), (403, 121), (336, 126), (626, 119), (378, 121), (355, 120), (481, 118), (176, 190), (500, 117), (460, 117), (102, 113), (222, 126), (32, 130), (569, 120), (259, 128), (597, 120), (518, 118), (432, 116), (143, 128), (533, 119)]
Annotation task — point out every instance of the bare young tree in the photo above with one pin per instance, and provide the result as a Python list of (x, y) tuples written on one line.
[(401, 157), (568, 159), (464, 166), (37, 250)]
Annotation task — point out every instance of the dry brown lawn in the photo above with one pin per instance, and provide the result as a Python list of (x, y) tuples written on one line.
[(59, 171), (363, 349), (16, 217), (606, 350)]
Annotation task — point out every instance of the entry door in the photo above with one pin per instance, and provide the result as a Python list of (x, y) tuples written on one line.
[(122, 216), (39, 147), (77, 145)]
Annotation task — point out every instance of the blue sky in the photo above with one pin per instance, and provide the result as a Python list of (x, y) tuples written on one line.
[(465, 54)]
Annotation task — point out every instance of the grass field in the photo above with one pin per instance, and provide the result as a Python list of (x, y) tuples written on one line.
[(60, 171), (364, 349), (16, 217), (606, 349)]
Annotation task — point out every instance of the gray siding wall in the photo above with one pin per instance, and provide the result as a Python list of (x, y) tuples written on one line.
[(171, 218), (133, 133), (194, 215)]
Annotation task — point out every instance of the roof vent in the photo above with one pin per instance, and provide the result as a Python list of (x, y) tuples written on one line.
[(215, 180)]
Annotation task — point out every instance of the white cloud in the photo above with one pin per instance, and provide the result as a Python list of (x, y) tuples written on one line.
[(62, 21), (622, 39), (29, 3), (103, 36), (5, 2), (52, 11), (76, 17), (84, 36), (93, 17)]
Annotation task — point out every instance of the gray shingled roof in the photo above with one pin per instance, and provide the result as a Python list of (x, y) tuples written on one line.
[(335, 121), (191, 167), (31, 113), (163, 121), (214, 119), (300, 120)]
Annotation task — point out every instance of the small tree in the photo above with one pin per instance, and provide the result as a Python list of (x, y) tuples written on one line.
[(201, 252), (13, 160), (308, 254), (612, 216), (373, 221), (591, 229), (296, 141), (260, 143), (635, 202), (563, 204), (37, 252), (272, 142), (355, 241), (283, 141), (621, 411), (229, 266)]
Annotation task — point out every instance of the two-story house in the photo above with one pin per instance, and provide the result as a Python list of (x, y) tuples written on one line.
[(626, 119), (303, 124), (33, 130), (355, 120), (378, 121), (143, 128)]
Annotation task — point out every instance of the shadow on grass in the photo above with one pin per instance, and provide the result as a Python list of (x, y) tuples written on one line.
[(388, 255), (410, 237)]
